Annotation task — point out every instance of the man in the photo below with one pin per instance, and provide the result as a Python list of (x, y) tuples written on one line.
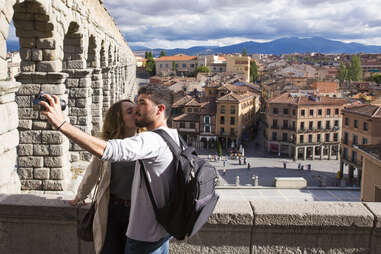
[(144, 233)]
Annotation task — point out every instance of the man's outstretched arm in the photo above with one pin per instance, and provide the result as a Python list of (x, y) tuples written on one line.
[(53, 112)]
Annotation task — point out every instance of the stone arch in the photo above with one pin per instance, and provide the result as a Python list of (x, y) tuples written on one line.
[(73, 48), (103, 55), (91, 53)]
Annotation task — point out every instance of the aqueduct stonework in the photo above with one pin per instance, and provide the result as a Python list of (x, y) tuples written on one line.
[(70, 48)]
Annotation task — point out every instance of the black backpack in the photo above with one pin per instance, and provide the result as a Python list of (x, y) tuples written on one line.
[(192, 198)]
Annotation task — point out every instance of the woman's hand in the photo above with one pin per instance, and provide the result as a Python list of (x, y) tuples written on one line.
[(53, 110), (76, 202)]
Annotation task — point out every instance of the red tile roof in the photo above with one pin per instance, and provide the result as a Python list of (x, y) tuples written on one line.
[(298, 99), (179, 57), (373, 111)]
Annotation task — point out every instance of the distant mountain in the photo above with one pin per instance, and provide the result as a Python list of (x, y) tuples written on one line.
[(280, 46), (13, 46)]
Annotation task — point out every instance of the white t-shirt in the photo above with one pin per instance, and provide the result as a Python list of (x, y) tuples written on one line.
[(157, 158)]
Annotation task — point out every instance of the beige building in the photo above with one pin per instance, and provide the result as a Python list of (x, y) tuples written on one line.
[(179, 64), (304, 126), (371, 173), (361, 126), (239, 65)]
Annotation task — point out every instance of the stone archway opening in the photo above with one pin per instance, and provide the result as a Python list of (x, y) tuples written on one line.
[(72, 48)]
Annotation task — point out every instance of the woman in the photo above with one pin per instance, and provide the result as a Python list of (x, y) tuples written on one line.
[(114, 190)]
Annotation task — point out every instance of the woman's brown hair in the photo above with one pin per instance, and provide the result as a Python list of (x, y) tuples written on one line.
[(113, 121)]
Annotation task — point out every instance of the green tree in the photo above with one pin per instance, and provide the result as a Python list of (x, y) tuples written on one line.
[(354, 69), (342, 76), (174, 66), (376, 78), (244, 52), (162, 53), (202, 69), (253, 71), (150, 64)]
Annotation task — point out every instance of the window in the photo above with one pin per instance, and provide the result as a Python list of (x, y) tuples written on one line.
[(354, 156), (192, 125), (166, 65), (336, 111), (232, 109), (189, 109), (336, 123), (302, 112), (294, 112), (285, 137), (222, 109), (274, 136), (310, 138), (346, 138), (311, 112), (364, 141), (206, 119), (161, 65), (195, 110), (318, 137), (232, 120), (327, 124), (285, 124), (285, 111), (345, 153), (355, 124), (319, 125), (365, 126), (301, 138), (207, 128), (275, 111), (184, 65), (222, 120), (311, 125), (335, 137), (355, 139), (320, 112), (275, 123), (232, 131), (302, 125), (347, 121), (222, 130), (192, 65), (182, 124), (327, 136), (328, 111), (177, 65), (293, 125)]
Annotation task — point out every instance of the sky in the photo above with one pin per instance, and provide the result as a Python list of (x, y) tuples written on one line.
[(186, 23)]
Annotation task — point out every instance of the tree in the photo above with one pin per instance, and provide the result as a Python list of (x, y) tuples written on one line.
[(376, 78), (202, 69), (354, 69), (253, 71), (150, 64), (174, 66), (342, 76), (162, 53), (244, 52)]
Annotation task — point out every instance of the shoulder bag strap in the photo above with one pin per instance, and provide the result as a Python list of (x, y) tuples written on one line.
[(143, 173), (173, 146), (97, 185)]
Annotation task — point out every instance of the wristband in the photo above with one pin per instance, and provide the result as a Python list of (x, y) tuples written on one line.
[(61, 125)]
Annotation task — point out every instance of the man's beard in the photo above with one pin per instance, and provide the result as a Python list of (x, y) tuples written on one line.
[(143, 123)]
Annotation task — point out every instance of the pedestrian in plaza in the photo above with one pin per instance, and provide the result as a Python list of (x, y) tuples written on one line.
[(299, 166), (224, 162), (284, 164), (278, 154), (224, 171), (244, 160), (239, 160), (113, 199), (144, 233), (248, 166)]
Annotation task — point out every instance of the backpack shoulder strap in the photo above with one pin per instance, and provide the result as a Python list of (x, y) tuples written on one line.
[(149, 190), (173, 146)]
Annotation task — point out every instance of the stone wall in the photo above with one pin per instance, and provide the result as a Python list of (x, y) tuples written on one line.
[(42, 224), (69, 48)]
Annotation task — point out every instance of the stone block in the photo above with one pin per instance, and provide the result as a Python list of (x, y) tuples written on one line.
[(97, 99), (290, 182), (49, 66), (27, 42), (30, 137), (29, 89), (76, 64), (30, 161), (53, 185), (40, 125), (9, 140), (85, 82), (54, 162), (25, 149), (28, 114), (84, 120), (31, 185), (36, 55), (24, 101), (49, 55), (41, 150), (74, 156), (56, 89), (41, 173), (25, 125), (72, 83), (46, 43), (85, 156), (27, 66), (25, 173), (79, 112), (6, 98), (8, 117), (57, 150), (52, 137), (56, 174)]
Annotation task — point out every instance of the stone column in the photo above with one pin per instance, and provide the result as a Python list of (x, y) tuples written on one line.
[(112, 86), (9, 138), (304, 153), (295, 153), (313, 153), (43, 157), (329, 151), (97, 101), (80, 105), (321, 152), (106, 76), (338, 152)]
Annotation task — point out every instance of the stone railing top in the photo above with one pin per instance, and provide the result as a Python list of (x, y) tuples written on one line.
[(7, 87), (375, 207)]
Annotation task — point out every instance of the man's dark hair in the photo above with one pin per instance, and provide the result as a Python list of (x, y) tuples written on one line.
[(159, 94)]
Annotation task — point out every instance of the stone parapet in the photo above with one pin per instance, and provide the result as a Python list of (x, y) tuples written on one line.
[(46, 224)]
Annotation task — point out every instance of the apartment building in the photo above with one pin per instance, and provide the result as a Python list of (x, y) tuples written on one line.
[(304, 126), (180, 64), (361, 126), (371, 173), (239, 65)]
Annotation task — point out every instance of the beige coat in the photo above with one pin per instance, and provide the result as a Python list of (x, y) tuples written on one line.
[(102, 199)]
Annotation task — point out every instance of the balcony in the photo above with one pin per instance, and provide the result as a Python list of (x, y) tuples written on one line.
[(275, 127), (230, 229), (187, 130)]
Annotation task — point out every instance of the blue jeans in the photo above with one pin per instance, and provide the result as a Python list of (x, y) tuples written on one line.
[(141, 247)]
